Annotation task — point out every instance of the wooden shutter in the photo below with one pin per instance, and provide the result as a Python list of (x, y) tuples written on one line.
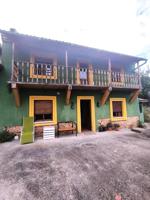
[(43, 107)]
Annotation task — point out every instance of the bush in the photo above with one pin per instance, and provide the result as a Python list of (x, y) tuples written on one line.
[(5, 136), (147, 114), (116, 127), (109, 126)]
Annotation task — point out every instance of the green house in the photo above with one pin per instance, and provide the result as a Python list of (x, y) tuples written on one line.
[(56, 81)]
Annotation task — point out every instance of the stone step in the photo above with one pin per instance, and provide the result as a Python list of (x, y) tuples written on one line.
[(138, 130)]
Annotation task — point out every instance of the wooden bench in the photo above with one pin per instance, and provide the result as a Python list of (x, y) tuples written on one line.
[(68, 126)]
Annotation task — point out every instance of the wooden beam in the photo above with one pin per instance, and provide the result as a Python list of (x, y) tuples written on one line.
[(134, 96), (105, 96), (68, 94), (16, 94)]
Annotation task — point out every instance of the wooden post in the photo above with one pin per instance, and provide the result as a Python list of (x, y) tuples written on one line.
[(32, 63), (66, 59), (139, 77), (109, 71), (12, 61), (16, 94), (90, 74), (78, 74)]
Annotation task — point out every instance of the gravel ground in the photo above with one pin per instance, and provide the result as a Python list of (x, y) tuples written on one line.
[(87, 167)]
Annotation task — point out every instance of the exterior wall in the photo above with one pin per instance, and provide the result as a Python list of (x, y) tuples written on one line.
[(13, 116), (10, 115)]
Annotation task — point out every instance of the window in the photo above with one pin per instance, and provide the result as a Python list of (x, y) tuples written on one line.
[(43, 109), (43, 68), (118, 109)]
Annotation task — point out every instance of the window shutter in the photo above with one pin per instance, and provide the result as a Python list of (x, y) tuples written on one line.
[(43, 107)]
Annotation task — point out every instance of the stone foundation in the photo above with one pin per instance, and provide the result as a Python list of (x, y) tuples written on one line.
[(14, 129), (131, 122)]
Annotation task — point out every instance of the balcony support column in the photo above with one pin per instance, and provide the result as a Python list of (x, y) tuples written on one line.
[(68, 96), (139, 77), (105, 96), (109, 71), (12, 60), (78, 74), (16, 94), (66, 60)]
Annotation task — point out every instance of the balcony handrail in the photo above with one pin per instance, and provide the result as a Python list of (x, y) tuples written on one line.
[(29, 72)]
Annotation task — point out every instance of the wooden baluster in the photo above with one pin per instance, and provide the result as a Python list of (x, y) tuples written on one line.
[(112, 76), (86, 80), (58, 78), (97, 75), (71, 75), (62, 75), (106, 77), (22, 69), (52, 69), (125, 81), (99, 83), (27, 70), (18, 67), (37, 71), (102, 77), (43, 70)]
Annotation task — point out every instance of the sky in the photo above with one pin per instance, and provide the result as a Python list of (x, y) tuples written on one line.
[(104, 24)]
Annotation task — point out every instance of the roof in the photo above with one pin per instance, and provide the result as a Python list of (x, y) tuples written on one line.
[(15, 36)]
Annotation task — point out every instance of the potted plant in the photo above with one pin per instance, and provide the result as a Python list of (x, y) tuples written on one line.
[(101, 127), (109, 126), (116, 127)]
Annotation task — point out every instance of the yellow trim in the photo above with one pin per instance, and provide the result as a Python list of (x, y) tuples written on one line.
[(32, 75), (91, 98), (31, 109), (124, 109)]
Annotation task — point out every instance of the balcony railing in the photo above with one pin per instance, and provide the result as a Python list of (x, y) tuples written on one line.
[(25, 72)]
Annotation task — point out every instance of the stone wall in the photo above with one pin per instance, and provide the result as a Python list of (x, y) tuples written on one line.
[(131, 122)]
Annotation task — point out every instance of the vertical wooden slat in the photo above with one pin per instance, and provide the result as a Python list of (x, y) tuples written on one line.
[(22, 69), (18, 66), (27, 70), (66, 59), (99, 77), (37, 67), (58, 79), (62, 75), (78, 74), (71, 75)]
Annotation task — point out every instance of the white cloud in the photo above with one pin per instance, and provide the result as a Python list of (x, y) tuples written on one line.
[(103, 24)]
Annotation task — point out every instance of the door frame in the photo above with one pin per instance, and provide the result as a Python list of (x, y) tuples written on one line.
[(92, 105)]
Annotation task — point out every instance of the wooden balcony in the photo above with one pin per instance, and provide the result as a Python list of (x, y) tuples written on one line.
[(25, 73)]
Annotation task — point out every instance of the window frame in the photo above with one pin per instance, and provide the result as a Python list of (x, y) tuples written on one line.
[(54, 115), (32, 68), (124, 109)]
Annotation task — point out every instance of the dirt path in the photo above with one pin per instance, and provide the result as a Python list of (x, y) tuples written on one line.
[(77, 168)]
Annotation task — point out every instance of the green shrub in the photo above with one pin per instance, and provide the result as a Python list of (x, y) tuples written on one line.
[(5, 136), (147, 114)]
